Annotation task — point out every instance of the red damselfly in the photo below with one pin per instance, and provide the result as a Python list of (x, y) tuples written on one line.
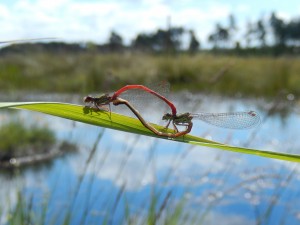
[(105, 99)]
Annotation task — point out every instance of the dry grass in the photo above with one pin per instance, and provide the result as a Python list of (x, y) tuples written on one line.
[(90, 72)]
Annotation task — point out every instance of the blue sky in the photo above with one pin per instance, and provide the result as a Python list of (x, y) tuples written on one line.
[(92, 20)]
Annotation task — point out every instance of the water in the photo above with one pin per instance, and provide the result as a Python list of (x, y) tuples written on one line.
[(127, 173)]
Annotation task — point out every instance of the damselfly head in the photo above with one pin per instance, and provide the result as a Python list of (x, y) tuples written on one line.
[(88, 99)]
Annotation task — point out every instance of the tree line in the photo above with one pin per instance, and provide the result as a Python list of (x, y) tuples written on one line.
[(265, 35), (271, 35)]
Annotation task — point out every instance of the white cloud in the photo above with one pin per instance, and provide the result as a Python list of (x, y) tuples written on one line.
[(93, 20), (4, 12), (243, 8)]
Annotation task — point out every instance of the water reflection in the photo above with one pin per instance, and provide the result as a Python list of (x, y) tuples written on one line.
[(121, 178)]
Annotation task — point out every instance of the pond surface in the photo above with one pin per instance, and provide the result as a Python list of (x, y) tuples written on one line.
[(122, 178)]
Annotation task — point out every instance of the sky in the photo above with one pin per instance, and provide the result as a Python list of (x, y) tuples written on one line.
[(93, 20)]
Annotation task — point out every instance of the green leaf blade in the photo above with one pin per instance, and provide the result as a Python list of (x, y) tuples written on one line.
[(128, 124)]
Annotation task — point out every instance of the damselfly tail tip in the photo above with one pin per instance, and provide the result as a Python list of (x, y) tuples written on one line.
[(256, 117)]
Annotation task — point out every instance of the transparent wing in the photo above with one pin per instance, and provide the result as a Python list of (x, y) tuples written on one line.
[(143, 99), (150, 106), (233, 120)]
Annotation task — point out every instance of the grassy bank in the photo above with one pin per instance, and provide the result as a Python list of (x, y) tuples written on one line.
[(19, 140), (27, 145), (89, 72)]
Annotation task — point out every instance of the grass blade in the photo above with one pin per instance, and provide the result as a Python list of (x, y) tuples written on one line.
[(132, 125)]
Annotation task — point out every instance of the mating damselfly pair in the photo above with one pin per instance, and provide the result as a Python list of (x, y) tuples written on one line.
[(232, 120)]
